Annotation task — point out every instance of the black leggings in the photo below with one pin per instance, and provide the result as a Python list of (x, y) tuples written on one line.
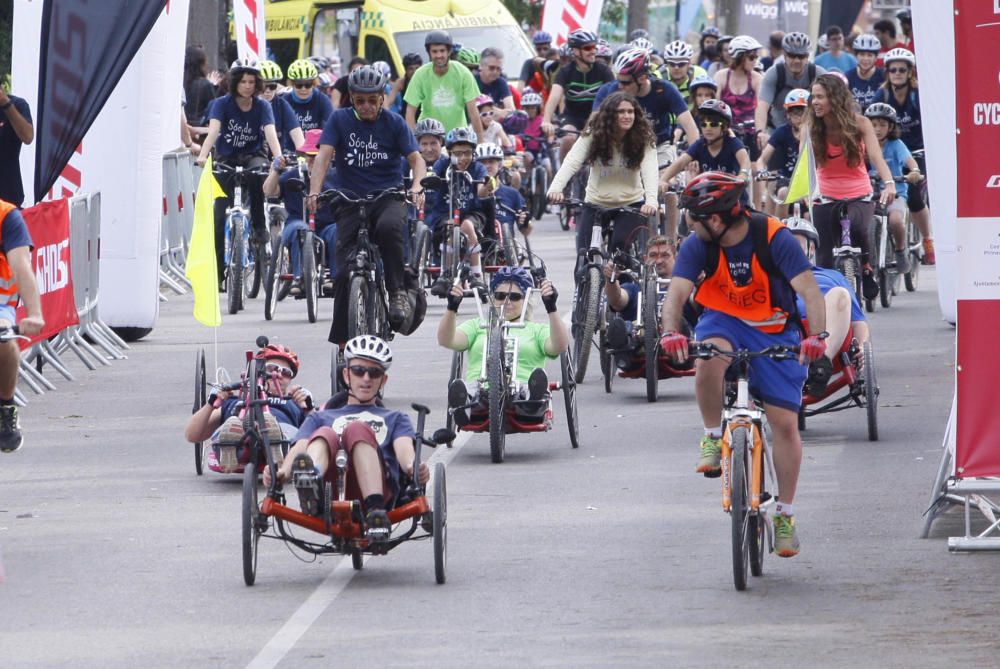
[(826, 217), (253, 187), (625, 225)]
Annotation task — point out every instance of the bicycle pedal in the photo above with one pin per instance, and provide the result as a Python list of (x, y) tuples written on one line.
[(713, 474)]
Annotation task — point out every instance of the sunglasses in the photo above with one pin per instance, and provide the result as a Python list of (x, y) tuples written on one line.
[(752, 56), (683, 63), (503, 296), (592, 47), (462, 154), (795, 56), (270, 87), (372, 372), (484, 114), (626, 82), (303, 84), (278, 369), (898, 70), (712, 124)]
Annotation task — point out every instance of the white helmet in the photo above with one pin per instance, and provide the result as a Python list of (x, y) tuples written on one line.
[(489, 151), (641, 43), (245, 64), (678, 50), (868, 43), (800, 226), (900, 54), (531, 100), (743, 44), (369, 347)]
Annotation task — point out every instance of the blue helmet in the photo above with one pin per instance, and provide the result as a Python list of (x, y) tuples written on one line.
[(541, 37), (461, 135), (517, 275)]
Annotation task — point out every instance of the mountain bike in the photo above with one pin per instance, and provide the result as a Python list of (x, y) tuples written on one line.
[(239, 257), (576, 190), (535, 186)]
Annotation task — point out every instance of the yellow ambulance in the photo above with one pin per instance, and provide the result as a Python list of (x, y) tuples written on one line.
[(389, 29)]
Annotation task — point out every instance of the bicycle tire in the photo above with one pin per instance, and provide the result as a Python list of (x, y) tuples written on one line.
[(885, 290), (585, 325), (497, 380), (272, 289), (607, 362), (200, 397), (251, 529), (509, 245), (456, 251), (538, 195), (650, 335), (234, 275), (358, 308), (912, 278), (261, 263), (739, 510), (422, 257), (755, 527), (569, 396), (310, 280), (440, 523), (871, 391), (457, 364), (564, 214), (357, 559)]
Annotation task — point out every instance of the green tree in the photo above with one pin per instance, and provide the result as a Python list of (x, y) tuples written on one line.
[(6, 35), (526, 12)]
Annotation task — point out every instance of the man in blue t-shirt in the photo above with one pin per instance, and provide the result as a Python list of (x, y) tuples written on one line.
[(368, 142), (378, 441), (15, 129), (835, 59), (491, 82)]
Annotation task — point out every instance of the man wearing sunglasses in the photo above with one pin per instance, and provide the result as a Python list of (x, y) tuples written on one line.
[(219, 420), (795, 71), (311, 106), (378, 442)]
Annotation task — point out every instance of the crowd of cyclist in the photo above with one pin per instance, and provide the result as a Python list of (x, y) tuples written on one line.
[(638, 118)]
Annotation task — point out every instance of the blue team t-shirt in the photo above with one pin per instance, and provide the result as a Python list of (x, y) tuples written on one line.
[(499, 90), (827, 280), (312, 112), (293, 199), (786, 150), (512, 198), (842, 63), (864, 90), (662, 106), (15, 232), (896, 154), (908, 117), (285, 121), (284, 409), (241, 132), (367, 152), (466, 196), (724, 162)]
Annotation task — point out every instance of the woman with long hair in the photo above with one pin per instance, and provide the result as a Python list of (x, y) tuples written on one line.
[(619, 145), (738, 86), (841, 139)]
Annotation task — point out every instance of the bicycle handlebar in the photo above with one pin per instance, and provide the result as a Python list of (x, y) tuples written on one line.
[(222, 169), (707, 351), (333, 196), (11, 333)]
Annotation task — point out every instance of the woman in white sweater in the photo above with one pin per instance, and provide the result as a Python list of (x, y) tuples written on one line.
[(620, 147)]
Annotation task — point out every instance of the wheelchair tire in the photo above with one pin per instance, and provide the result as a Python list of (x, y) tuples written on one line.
[(251, 528), (569, 395), (497, 380), (871, 391), (440, 523), (457, 363), (200, 397)]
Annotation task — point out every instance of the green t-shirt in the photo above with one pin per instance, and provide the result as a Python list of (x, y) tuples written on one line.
[(442, 98), (530, 348)]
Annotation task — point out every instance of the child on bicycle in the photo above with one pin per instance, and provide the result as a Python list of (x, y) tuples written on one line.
[(493, 132), (491, 155), (782, 150), (534, 150), (901, 162)]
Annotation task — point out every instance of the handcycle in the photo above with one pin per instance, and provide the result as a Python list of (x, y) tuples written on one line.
[(500, 352), (853, 371), (244, 258), (341, 522), (747, 466)]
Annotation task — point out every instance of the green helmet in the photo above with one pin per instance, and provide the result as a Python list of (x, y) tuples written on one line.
[(270, 71), (302, 69), (468, 56)]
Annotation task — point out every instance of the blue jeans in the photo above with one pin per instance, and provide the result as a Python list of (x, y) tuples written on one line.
[(328, 234)]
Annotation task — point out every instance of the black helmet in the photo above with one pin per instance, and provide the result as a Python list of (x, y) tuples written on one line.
[(580, 38), (437, 37), (637, 33), (904, 15), (412, 59), (366, 79)]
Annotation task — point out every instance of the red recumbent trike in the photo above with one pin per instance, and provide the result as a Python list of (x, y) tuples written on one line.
[(853, 372)]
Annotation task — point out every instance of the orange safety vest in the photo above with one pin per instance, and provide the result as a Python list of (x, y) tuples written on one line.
[(751, 303), (8, 289)]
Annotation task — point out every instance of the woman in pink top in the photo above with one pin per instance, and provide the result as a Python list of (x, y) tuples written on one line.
[(841, 139), (738, 85)]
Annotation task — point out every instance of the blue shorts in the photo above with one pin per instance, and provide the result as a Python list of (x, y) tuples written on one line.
[(777, 382), (8, 314)]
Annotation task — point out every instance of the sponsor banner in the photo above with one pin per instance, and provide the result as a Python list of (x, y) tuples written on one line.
[(759, 18), (561, 17), (976, 371), (248, 22), (48, 224)]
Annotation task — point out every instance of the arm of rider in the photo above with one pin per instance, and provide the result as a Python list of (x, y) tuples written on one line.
[(206, 147), (686, 121), (472, 112), (760, 122), (487, 188), (571, 164), (19, 260), (271, 135), (405, 455), (617, 297), (649, 173), (335, 98), (913, 176), (318, 175), (411, 117), (805, 285), (743, 158), (558, 340), (419, 170), (298, 137), (301, 397), (551, 105), (207, 419), (670, 319), (448, 335), (875, 157), (271, 185), (673, 170)]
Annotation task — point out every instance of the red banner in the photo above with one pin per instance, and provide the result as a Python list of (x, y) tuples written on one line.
[(48, 225), (977, 23)]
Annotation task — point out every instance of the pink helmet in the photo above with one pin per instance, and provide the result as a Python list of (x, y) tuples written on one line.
[(484, 100)]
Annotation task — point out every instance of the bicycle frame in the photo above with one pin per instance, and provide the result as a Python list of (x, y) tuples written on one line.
[(744, 412), (494, 317)]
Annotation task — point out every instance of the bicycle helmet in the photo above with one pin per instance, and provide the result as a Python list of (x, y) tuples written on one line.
[(743, 44), (301, 70), (489, 151), (703, 80), (724, 39), (325, 81), (900, 54), (632, 62), (437, 37), (800, 226), (541, 37), (483, 99), (531, 100), (412, 59), (638, 33), (566, 51), (280, 351), (797, 97), (515, 122), (904, 15), (796, 44), (713, 193), (366, 79), (678, 50), (580, 38), (604, 49), (369, 347), (461, 135), (270, 71), (882, 110), (247, 64), (710, 31), (715, 107), (430, 126), (468, 56), (867, 43), (321, 62), (518, 275), (383, 67), (641, 43)]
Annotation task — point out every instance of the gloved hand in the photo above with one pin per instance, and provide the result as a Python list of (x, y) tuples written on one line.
[(549, 296), (455, 298), (813, 347), (675, 345)]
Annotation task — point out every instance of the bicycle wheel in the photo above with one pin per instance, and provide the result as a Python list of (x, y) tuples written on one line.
[(569, 396), (588, 303), (755, 530), (739, 511), (457, 364), (607, 361), (272, 288), (509, 245), (258, 273), (440, 523), (498, 396), (422, 257), (650, 336), (457, 255), (251, 523), (234, 274), (912, 278), (310, 277), (357, 559), (564, 214), (539, 187), (871, 391), (885, 288), (200, 397), (358, 308)]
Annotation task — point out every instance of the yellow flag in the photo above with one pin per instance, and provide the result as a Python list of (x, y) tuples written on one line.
[(803, 176), (201, 268)]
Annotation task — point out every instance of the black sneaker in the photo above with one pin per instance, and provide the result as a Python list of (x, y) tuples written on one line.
[(538, 384), (478, 286), (399, 307), (820, 372), (377, 526), (617, 334), (441, 286), (458, 398), (10, 429), (869, 286), (260, 236), (308, 483)]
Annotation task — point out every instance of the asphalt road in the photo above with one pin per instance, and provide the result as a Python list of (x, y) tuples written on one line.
[(118, 555)]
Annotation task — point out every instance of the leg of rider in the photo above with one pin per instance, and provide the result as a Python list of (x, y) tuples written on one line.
[(838, 319), (625, 228), (10, 357), (861, 222), (787, 446), (255, 184), (390, 221), (328, 233), (291, 240), (584, 227), (348, 223), (781, 210), (921, 213), (366, 459), (469, 230), (709, 385), (824, 220), (897, 229)]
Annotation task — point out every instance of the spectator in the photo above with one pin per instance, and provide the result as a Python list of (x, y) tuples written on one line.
[(492, 83), (199, 90), (906, 23), (341, 96), (835, 58), (885, 30), (15, 129), (773, 50)]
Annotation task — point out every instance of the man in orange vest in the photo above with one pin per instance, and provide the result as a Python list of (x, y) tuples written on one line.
[(753, 268), (16, 280)]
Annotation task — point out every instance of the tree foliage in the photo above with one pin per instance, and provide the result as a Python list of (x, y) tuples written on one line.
[(6, 36)]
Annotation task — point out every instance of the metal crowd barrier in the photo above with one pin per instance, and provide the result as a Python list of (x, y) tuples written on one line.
[(178, 219)]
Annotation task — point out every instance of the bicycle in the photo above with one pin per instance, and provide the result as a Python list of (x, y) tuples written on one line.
[(883, 248), (504, 248), (241, 255), (847, 257), (454, 244), (535, 187), (747, 465), (575, 191)]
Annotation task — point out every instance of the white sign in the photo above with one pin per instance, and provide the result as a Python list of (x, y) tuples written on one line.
[(561, 17), (248, 21)]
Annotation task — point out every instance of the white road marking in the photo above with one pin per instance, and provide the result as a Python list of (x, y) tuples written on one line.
[(331, 587)]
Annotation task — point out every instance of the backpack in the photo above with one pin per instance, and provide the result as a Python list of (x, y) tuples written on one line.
[(779, 88)]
